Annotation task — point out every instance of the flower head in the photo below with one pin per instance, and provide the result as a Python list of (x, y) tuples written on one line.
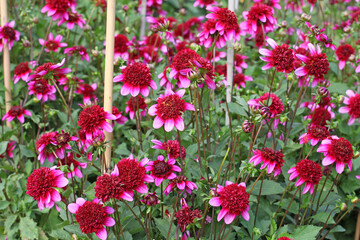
[(61, 141), (121, 47), (94, 117), (281, 57), (73, 19), (336, 150), (136, 78), (172, 147), (169, 109), (41, 186), (343, 53), (314, 134), (353, 106), (204, 70), (151, 199), (186, 215), (21, 71), (134, 104), (52, 44), (58, 8), (132, 175), (181, 65), (271, 159), (161, 170), (181, 183), (42, 89), (69, 160), (240, 80), (8, 35), (16, 112), (120, 119), (92, 216), (9, 150), (110, 186), (276, 107), (309, 172), (48, 70), (258, 14), (87, 91), (77, 51), (46, 148), (204, 3), (320, 117), (234, 201)]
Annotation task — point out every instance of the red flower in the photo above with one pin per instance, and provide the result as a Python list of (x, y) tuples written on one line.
[(74, 18), (240, 80), (186, 216), (69, 160), (151, 199), (48, 70), (94, 117), (259, 14), (136, 78), (132, 175), (22, 71), (272, 159), (61, 141), (204, 69), (281, 57), (275, 108), (52, 44), (121, 47), (181, 65), (120, 119), (42, 184), (320, 117), (161, 170), (46, 147), (343, 53), (87, 91), (234, 201), (314, 134), (338, 150), (58, 8), (172, 147), (353, 106), (181, 183), (108, 187), (16, 112), (203, 3), (309, 172), (77, 50), (92, 216), (132, 106), (42, 89), (8, 35)]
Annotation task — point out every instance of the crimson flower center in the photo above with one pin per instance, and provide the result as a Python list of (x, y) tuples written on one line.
[(40, 182), (320, 117), (273, 155), (161, 169), (121, 44), (341, 149), (228, 18), (60, 5), (170, 107), (16, 111), (91, 118), (182, 60), (131, 174), (354, 105), (91, 217), (52, 45), (343, 52), (21, 68), (8, 32), (234, 198), (317, 65), (318, 132), (309, 171), (258, 10), (282, 58), (137, 74)]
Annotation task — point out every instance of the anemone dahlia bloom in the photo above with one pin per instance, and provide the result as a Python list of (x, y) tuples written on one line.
[(275, 108), (240, 80), (181, 183), (161, 170), (94, 117), (204, 3), (42, 89), (87, 91), (46, 148), (314, 134), (172, 147), (68, 161), (50, 70), (9, 150), (79, 51), (259, 14), (121, 47), (281, 57), (185, 215), (316, 64), (234, 201), (223, 24), (132, 175), (203, 70), (61, 141), (110, 187), (42, 184), (151, 199), (169, 109), (271, 159), (309, 172), (164, 81), (74, 18), (52, 44), (120, 119), (336, 150), (92, 216), (353, 106), (16, 112), (343, 53), (21, 71), (8, 35), (239, 62), (58, 8), (134, 104), (137, 79), (181, 66)]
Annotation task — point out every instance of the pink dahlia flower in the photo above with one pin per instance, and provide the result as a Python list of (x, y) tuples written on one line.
[(42, 184), (314, 134), (239, 62), (73, 19), (54, 70), (78, 51), (234, 201), (181, 183), (110, 187), (161, 170), (16, 112), (353, 106), (58, 8), (87, 91), (172, 147), (271, 159), (169, 109), (259, 14), (343, 53), (164, 81), (309, 172), (120, 119), (240, 80), (21, 71), (181, 66), (336, 150), (52, 44), (204, 3), (92, 216), (134, 104), (8, 35), (41, 88), (68, 161), (9, 150)]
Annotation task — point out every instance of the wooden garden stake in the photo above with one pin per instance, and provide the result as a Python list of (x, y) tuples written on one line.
[(108, 78), (143, 18), (6, 62)]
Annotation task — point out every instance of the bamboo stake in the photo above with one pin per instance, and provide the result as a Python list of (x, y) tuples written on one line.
[(143, 18), (108, 78), (230, 66), (6, 61), (357, 232)]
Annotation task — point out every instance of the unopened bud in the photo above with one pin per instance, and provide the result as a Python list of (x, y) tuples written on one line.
[(35, 20), (247, 126), (26, 44), (327, 171), (355, 200), (182, 11), (87, 27), (306, 17), (356, 155), (212, 193), (323, 92), (237, 47), (325, 83), (94, 52), (290, 77), (125, 8), (193, 76), (127, 30), (352, 58), (341, 99), (283, 24), (343, 206), (345, 14), (151, 199), (265, 112), (347, 29)]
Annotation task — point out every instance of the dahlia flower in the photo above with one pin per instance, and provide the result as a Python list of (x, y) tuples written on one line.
[(8, 35), (353, 106), (161, 170), (46, 148), (169, 109), (234, 201), (309, 172), (16, 112), (121, 47), (50, 70), (78, 50), (110, 187), (258, 14), (120, 119), (271, 159), (132, 106), (58, 8), (281, 57), (87, 91), (164, 81), (343, 53), (151, 199), (336, 150), (215, 57), (172, 147), (61, 141), (320, 116), (21, 71), (314, 134), (181, 66), (204, 3), (69, 160), (240, 80), (42, 184), (203, 69), (9, 150), (275, 108), (181, 183), (270, 3), (185, 215), (137, 79), (74, 18), (239, 62), (52, 44), (92, 216), (42, 89)]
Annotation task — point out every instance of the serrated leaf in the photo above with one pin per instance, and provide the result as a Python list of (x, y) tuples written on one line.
[(322, 216), (75, 229), (163, 226), (308, 232), (9, 222), (268, 188), (3, 146), (28, 228), (4, 204)]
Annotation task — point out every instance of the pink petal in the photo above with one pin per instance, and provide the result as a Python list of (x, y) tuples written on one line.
[(221, 214), (169, 125), (109, 221), (215, 202), (229, 218), (340, 167), (102, 234), (158, 122), (328, 160), (73, 207)]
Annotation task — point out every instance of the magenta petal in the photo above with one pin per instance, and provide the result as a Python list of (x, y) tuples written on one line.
[(229, 218), (73, 207), (169, 125), (107, 127), (142, 189), (109, 210), (55, 196), (158, 122), (328, 160), (215, 202), (102, 234), (61, 182), (245, 214), (221, 214), (179, 124), (109, 221), (301, 71), (340, 167)]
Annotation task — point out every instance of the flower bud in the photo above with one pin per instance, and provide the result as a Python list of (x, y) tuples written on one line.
[(356, 155), (193, 75), (125, 8), (327, 171), (325, 83), (283, 24), (265, 112), (352, 58), (26, 44), (345, 14), (247, 126), (35, 20), (94, 52), (127, 30), (212, 193), (343, 206), (306, 17), (182, 11), (237, 47), (151, 199), (355, 200), (87, 27), (347, 29), (323, 92), (341, 99)]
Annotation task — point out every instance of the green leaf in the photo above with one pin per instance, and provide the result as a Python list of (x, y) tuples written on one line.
[(4, 204), (9, 222), (28, 228), (26, 152), (308, 232), (60, 234), (163, 226), (321, 217), (3, 146), (337, 87), (268, 188), (236, 108), (74, 229)]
